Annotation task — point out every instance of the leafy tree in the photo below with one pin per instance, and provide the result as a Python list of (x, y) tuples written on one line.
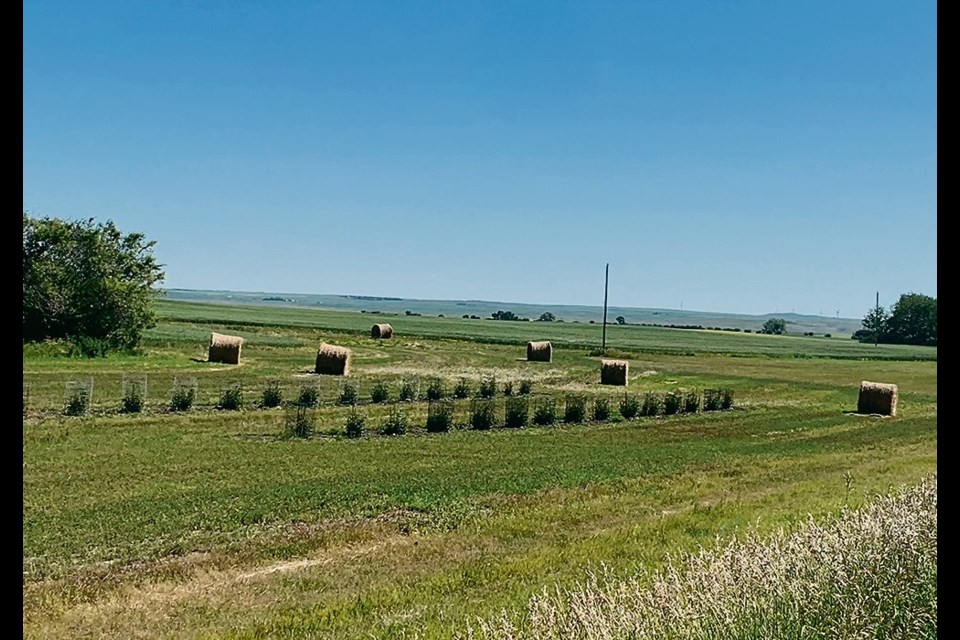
[(87, 282), (546, 317), (875, 326), (506, 315), (775, 326), (621, 320), (913, 320)]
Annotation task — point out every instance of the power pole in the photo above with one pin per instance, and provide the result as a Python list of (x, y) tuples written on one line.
[(876, 331), (606, 284)]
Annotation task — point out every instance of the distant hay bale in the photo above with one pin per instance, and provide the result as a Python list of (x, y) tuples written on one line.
[(539, 352), (876, 397), (382, 331), (224, 348), (333, 360), (614, 372)]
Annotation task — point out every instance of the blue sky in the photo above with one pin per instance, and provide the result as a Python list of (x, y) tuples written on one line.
[(742, 157)]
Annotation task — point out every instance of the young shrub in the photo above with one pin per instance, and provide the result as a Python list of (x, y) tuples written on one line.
[(184, 394), (272, 395), (482, 413), (516, 412), (349, 392), (652, 404), (488, 387), (545, 412), (525, 387), (439, 416), (712, 399), (356, 424), (672, 402), (435, 389), (691, 401), (601, 410), (726, 398), (408, 390), (380, 392), (231, 397), (134, 394), (395, 424), (78, 402), (629, 406), (462, 390), (508, 389), (309, 395), (300, 421), (574, 409)]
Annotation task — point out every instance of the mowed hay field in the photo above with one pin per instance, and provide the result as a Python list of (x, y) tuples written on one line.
[(211, 523)]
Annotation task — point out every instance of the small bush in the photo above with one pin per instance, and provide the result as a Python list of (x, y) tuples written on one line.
[(629, 406), (575, 409), (183, 398), (726, 398), (462, 390), (488, 387), (300, 421), (672, 402), (134, 396), (88, 347), (78, 403), (508, 389), (231, 398), (652, 404), (380, 392), (395, 423), (601, 410), (436, 390), (272, 395), (515, 413), (525, 387), (349, 393), (545, 412), (356, 424), (482, 414), (827, 335), (439, 416), (691, 401), (712, 399), (309, 395), (408, 390)]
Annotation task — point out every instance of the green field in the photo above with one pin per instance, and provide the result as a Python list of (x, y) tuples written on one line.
[(211, 523)]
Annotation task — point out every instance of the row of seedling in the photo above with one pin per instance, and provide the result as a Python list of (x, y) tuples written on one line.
[(517, 412), (79, 393)]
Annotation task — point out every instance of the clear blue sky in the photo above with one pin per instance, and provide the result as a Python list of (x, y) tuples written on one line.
[(736, 156)]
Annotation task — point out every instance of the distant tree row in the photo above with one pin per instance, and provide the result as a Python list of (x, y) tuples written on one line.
[(911, 320)]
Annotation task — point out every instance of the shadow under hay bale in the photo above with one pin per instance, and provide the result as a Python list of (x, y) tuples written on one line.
[(381, 331), (332, 360), (225, 349), (539, 352), (614, 372), (876, 397)]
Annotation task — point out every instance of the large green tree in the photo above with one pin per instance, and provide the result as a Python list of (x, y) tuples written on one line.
[(913, 320), (87, 282)]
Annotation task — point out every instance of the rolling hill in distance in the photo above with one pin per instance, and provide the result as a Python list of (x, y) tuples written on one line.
[(384, 305)]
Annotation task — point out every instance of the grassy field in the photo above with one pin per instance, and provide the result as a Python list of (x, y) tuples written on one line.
[(211, 523)]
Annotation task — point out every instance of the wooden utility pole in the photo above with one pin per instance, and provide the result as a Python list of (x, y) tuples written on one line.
[(876, 329), (606, 284)]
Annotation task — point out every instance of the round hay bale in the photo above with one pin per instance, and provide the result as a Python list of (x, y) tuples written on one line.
[(381, 331), (224, 348), (614, 372), (333, 360), (876, 397), (539, 352)]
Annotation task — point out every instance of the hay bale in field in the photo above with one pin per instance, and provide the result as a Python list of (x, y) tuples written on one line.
[(539, 352), (614, 372), (876, 397), (382, 331), (224, 348), (333, 360)]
